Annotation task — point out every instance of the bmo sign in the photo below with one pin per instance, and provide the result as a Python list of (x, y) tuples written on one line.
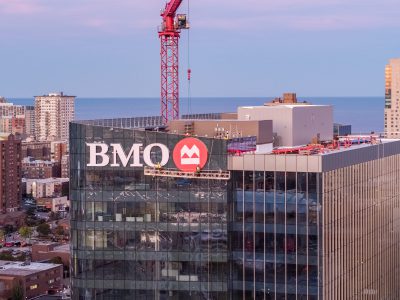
[(189, 154)]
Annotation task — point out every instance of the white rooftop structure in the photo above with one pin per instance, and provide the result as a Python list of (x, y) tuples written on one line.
[(293, 124)]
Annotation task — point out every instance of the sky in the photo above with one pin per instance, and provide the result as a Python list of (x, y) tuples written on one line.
[(110, 48)]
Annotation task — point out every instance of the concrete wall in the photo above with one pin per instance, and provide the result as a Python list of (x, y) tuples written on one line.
[(293, 124), (310, 121)]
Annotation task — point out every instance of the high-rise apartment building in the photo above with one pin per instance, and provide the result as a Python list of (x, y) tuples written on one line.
[(392, 99), (30, 121), (53, 113), (210, 210), (10, 173), (12, 117)]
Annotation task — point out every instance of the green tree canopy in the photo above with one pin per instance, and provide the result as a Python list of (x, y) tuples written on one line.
[(43, 229), (17, 293), (2, 235), (25, 232), (59, 230)]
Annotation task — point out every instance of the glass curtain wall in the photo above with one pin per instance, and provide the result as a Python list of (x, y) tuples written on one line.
[(276, 232), (138, 237)]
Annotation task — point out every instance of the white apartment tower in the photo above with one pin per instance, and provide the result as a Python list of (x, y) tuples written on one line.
[(392, 99), (53, 113)]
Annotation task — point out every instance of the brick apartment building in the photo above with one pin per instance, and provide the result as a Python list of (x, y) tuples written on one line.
[(10, 173), (38, 169), (34, 278), (37, 150), (48, 251)]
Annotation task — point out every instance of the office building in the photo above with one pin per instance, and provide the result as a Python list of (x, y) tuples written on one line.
[(234, 209), (10, 173), (53, 112), (33, 279), (392, 99)]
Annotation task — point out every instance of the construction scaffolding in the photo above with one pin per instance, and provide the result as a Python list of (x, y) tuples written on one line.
[(161, 172)]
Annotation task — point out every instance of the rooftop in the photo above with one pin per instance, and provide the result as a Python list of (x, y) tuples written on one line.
[(47, 180), (62, 248), (56, 94), (23, 269), (340, 144)]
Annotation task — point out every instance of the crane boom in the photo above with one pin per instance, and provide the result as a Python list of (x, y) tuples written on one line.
[(171, 8), (169, 35)]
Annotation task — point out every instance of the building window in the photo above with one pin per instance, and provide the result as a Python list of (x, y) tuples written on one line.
[(33, 287)]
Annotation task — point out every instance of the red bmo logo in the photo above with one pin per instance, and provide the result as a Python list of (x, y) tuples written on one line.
[(189, 154)]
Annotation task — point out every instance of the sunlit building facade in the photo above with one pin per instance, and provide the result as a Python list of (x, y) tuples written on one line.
[(392, 99), (53, 113)]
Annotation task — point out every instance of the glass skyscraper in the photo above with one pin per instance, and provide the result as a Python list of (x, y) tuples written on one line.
[(323, 226)]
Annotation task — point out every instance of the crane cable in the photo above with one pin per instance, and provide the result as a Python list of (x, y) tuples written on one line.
[(189, 108)]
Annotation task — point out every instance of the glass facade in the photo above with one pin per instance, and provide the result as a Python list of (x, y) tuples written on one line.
[(137, 237), (276, 235), (267, 233)]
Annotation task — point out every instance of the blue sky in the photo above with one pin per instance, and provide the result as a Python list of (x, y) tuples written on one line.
[(105, 48)]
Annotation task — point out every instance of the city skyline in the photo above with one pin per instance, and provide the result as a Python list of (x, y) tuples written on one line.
[(106, 49)]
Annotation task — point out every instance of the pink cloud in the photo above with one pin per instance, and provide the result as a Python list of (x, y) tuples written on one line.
[(20, 7), (123, 16)]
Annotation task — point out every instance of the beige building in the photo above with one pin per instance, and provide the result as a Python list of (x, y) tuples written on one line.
[(392, 99), (41, 188), (53, 113)]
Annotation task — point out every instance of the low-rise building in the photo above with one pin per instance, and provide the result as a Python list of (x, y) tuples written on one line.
[(15, 219), (37, 150), (43, 188), (34, 279), (38, 169), (56, 204), (48, 251)]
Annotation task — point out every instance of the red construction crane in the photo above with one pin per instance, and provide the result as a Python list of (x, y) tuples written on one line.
[(169, 34)]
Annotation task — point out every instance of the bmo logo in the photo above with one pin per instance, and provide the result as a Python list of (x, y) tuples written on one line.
[(190, 154)]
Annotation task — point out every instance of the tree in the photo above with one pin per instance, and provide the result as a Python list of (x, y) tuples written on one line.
[(30, 211), (8, 229), (59, 230), (25, 232), (2, 236), (43, 229), (56, 260), (17, 293)]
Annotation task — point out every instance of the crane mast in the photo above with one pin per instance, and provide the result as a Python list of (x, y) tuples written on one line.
[(169, 34)]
